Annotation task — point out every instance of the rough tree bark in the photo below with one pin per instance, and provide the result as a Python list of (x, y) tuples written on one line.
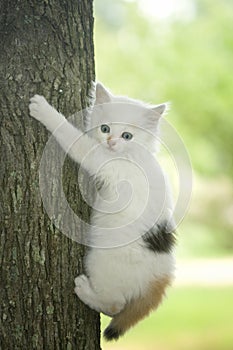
[(46, 47)]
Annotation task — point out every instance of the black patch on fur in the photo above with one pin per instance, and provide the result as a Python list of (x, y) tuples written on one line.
[(159, 238), (111, 333)]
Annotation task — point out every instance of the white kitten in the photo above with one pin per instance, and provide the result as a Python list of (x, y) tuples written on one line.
[(130, 262)]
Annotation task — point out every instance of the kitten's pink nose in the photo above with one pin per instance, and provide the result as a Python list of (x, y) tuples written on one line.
[(111, 142)]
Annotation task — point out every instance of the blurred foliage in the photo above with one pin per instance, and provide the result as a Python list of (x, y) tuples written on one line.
[(188, 61)]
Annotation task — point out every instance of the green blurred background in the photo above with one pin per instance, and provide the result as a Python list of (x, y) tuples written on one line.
[(182, 51)]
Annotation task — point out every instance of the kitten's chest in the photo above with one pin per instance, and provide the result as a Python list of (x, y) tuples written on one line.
[(122, 179), (128, 198), (122, 195)]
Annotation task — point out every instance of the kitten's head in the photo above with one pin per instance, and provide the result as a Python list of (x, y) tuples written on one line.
[(121, 124)]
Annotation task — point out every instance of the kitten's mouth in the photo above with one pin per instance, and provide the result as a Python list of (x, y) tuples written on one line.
[(108, 147), (111, 149)]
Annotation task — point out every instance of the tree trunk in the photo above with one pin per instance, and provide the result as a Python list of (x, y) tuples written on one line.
[(46, 47)]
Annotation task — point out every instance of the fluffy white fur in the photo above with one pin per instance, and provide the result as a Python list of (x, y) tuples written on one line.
[(134, 195)]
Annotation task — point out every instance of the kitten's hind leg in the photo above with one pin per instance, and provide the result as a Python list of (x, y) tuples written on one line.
[(86, 293)]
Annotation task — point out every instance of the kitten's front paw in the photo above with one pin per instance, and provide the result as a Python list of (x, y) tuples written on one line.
[(39, 107)]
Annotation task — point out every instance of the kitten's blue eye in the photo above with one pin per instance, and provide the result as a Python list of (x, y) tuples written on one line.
[(127, 135), (105, 128)]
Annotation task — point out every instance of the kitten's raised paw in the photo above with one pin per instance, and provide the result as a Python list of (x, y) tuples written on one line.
[(38, 107)]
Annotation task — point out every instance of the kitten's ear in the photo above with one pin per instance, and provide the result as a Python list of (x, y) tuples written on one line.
[(102, 94), (160, 109)]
